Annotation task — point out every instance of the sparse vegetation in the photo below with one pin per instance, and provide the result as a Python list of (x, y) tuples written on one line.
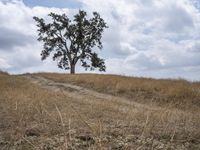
[(166, 92), (4, 72), (47, 115)]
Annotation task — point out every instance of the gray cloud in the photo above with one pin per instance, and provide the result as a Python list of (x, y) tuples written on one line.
[(195, 48), (177, 19), (19, 48), (9, 39), (153, 38)]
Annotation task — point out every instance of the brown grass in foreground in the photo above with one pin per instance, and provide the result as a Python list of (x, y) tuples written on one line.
[(36, 118), (174, 93)]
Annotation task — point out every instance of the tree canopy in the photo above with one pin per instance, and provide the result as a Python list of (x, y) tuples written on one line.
[(70, 41)]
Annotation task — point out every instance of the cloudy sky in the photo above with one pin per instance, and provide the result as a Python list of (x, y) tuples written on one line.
[(151, 38)]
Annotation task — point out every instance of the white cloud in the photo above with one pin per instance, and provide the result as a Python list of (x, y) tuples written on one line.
[(156, 38), (3, 64), (19, 48)]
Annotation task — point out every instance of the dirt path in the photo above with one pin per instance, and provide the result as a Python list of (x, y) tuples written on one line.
[(78, 92)]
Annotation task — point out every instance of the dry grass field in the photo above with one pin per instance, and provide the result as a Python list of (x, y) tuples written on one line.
[(57, 111), (173, 93)]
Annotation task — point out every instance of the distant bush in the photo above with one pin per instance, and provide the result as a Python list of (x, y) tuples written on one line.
[(4, 72)]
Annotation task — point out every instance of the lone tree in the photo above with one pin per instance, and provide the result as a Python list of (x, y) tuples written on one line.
[(71, 41)]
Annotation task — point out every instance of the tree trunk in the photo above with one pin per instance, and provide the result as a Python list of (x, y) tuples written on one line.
[(72, 69)]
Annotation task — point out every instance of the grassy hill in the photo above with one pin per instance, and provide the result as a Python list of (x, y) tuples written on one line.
[(166, 92), (59, 111)]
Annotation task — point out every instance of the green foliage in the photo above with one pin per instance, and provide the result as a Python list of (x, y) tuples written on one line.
[(72, 41)]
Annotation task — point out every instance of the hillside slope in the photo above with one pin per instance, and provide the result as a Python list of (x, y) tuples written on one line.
[(166, 92), (55, 111)]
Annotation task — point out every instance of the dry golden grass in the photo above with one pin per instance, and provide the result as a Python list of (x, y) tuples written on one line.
[(175, 93), (38, 117)]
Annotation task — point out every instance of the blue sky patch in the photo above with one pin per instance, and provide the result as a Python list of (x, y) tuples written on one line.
[(53, 3)]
